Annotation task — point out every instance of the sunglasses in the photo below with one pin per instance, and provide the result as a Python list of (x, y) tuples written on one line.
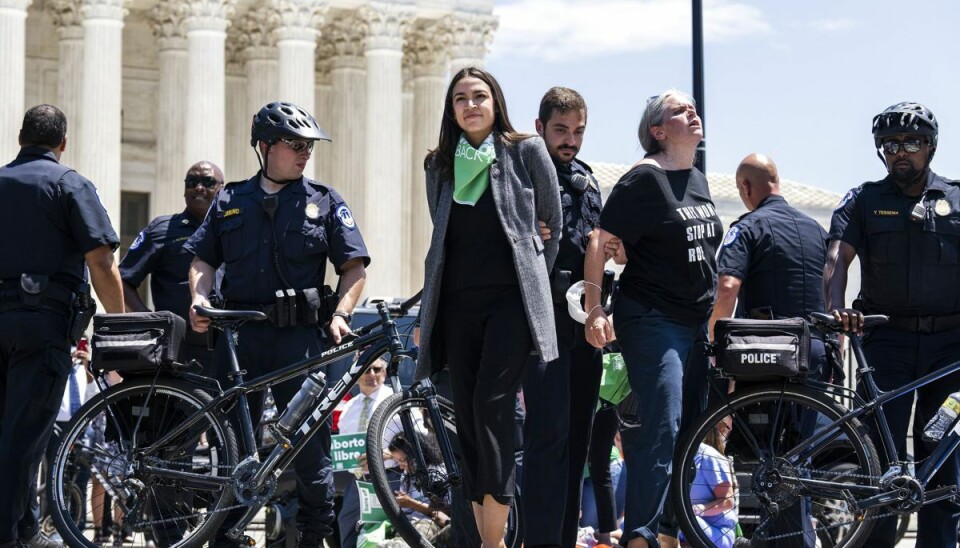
[(193, 180), (375, 370), (910, 145), (297, 145)]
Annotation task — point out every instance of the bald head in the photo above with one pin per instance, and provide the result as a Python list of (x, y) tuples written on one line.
[(197, 194), (757, 178)]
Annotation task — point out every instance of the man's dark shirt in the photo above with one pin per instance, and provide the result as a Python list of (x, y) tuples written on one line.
[(778, 254), (907, 268), (50, 217), (581, 214)]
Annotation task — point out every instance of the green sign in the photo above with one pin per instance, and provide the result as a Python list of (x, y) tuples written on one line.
[(370, 509), (345, 450)]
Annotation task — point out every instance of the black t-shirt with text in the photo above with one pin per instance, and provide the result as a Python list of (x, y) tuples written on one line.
[(670, 231)]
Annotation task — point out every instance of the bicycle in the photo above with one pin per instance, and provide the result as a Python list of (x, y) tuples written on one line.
[(169, 455), (799, 448)]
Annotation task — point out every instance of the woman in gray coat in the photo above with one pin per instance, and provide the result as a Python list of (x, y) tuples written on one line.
[(486, 297)]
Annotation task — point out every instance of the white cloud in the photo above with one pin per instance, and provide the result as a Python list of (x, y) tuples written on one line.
[(833, 25), (558, 30)]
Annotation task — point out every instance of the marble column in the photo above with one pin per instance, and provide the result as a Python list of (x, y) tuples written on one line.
[(406, 282), (323, 152), (13, 48), (238, 119), (98, 147), (173, 63), (296, 46), (471, 35), (348, 104), (67, 20), (428, 51), (254, 36), (206, 25), (384, 228)]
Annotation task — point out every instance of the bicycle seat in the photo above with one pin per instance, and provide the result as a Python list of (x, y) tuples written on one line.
[(827, 322), (218, 315)]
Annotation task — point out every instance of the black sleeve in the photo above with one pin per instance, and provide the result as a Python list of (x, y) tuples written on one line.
[(734, 256), (141, 257), (847, 223), (86, 216), (628, 211), (205, 244)]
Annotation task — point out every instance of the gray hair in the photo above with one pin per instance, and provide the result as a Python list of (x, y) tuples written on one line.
[(653, 116)]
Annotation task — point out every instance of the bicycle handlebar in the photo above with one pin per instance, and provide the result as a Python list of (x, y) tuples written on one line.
[(828, 323)]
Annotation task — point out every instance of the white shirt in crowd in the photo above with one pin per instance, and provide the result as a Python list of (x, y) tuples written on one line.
[(350, 417)]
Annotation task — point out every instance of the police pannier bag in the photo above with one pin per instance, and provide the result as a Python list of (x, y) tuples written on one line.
[(138, 342), (762, 350)]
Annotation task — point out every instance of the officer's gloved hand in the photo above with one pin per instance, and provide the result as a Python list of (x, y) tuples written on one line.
[(199, 323)]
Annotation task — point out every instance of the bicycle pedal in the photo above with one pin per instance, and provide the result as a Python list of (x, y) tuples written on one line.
[(245, 540)]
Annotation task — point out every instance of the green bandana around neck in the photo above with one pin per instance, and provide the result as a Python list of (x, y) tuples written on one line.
[(471, 170)]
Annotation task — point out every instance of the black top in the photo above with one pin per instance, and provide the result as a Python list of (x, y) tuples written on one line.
[(581, 214), (670, 231), (50, 217), (907, 268), (778, 253), (158, 250), (477, 252), (311, 221)]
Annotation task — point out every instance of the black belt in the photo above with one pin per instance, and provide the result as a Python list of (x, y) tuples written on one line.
[(55, 296), (925, 324)]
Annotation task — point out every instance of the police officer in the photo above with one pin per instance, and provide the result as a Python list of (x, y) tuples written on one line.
[(53, 222), (904, 230), (561, 395), (274, 232), (158, 251), (770, 266)]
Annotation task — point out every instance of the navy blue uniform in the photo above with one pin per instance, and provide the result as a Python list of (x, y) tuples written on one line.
[(778, 253), (158, 251), (50, 217), (910, 271), (312, 224), (561, 395)]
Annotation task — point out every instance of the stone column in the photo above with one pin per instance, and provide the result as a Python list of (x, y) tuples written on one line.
[(67, 20), (13, 48), (406, 183), (427, 48), (471, 35), (168, 26), (257, 43), (296, 46), (323, 152), (98, 146), (206, 24), (238, 119), (383, 225), (348, 100)]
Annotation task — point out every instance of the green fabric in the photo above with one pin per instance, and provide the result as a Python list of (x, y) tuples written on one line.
[(471, 170), (614, 386), (373, 534)]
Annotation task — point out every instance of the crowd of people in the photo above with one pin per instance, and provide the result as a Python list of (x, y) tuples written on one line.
[(517, 219)]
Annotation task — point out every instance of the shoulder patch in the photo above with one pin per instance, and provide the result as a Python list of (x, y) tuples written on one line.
[(137, 241), (846, 198), (345, 217), (731, 236)]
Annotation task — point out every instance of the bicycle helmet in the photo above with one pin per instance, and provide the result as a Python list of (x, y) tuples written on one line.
[(906, 118), (280, 119)]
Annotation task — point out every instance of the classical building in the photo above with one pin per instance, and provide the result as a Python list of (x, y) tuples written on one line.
[(152, 86)]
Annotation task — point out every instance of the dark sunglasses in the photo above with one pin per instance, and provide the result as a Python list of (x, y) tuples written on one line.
[(297, 145), (375, 370), (193, 180), (910, 146)]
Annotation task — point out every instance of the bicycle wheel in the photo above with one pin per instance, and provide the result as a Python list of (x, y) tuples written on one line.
[(748, 477), (430, 486), (109, 435)]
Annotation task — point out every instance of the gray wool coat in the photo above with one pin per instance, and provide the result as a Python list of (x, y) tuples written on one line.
[(525, 190)]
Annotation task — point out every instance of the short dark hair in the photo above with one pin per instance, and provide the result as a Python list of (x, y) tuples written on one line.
[(560, 99), (43, 125)]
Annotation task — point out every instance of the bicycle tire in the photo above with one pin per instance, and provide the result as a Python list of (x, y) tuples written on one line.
[(151, 507), (384, 424), (768, 509)]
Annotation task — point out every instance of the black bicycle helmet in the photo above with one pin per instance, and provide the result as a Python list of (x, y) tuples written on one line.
[(906, 118), (280, 119)]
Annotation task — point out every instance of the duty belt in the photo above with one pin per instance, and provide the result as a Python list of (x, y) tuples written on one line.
[(56, 296), (925, 324)]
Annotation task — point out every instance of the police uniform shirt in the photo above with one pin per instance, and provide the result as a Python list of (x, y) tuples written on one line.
[(670, 231), (50, 216), (580, 198), (778, 253), (908, 268), (158, 250), (312, 223)]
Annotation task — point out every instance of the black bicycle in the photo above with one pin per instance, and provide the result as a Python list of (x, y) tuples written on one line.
[(165, 449), (798, 461)]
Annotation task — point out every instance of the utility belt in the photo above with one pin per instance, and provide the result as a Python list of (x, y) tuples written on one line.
[(38, 292), (292, 307), (925, 324)]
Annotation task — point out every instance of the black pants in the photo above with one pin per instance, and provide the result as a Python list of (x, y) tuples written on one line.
[(605, 426), (264, 348), (34, 365), (487, 340), (560, 398)]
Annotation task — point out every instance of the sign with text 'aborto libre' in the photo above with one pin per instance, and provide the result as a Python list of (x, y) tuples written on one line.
[(345, 450)]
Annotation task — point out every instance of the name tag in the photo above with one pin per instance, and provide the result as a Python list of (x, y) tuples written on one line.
[(886, 213)]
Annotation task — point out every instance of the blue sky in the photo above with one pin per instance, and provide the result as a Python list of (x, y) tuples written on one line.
[(799, 80)]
